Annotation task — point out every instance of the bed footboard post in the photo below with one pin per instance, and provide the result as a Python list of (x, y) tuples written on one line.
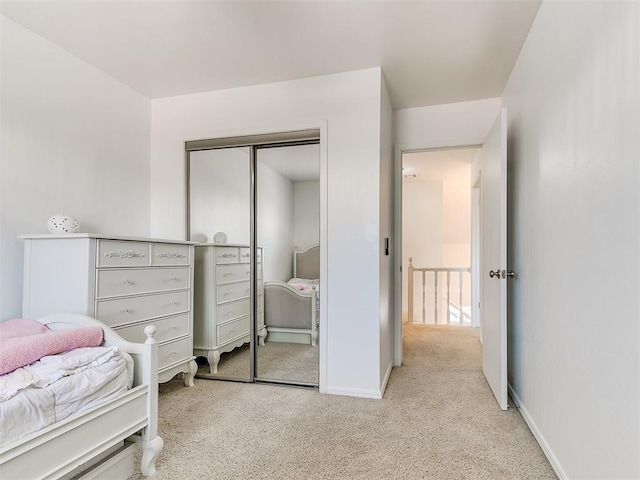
[(314, 316), (151, 443)]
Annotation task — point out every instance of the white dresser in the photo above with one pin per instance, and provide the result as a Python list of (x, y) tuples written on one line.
[(127, 283), (222, 304)]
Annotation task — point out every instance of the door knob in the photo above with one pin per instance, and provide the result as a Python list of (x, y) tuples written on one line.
[(494, 274), (511, 274)]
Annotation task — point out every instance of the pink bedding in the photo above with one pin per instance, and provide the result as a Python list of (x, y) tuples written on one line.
[(303, 284), (22, 342)]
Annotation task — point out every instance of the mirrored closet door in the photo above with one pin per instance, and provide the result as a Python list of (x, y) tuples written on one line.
[(254, 208), (220, 219), (288, 228)]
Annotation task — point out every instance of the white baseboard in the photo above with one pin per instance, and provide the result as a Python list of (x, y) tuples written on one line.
[(354, 392), (546, 449), (386, 379)]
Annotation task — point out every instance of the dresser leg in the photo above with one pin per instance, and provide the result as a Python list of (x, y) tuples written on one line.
[(188, 376), (214, 359), (262, 335)]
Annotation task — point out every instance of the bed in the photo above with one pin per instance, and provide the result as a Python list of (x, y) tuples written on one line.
[(97, 438), (291, 309)]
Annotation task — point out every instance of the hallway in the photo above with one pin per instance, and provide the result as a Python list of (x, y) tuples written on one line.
[(437, 420), (463, 428)]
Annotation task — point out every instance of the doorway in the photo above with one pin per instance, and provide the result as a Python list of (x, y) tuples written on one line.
[(437, 248), (243, 195), (490, 177)]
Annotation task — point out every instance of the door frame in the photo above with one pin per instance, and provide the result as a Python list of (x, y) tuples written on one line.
[(399, 150), (476, 249)]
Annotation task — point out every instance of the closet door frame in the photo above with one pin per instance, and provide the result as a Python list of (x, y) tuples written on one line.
[(279, 139)]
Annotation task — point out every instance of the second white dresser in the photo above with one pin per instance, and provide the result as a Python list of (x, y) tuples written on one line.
[(222, 310), (126, 283)]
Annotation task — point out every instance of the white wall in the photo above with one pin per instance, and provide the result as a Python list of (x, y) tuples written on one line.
[(74, 141), (349, 104), (574, 210), (275, 223), (306, 214), (456, 221), (220, 195), (421, 234)]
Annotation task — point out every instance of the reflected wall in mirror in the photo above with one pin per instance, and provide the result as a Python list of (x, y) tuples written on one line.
[(219, 202), (288, 221)]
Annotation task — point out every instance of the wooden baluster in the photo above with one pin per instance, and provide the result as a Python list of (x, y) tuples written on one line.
[(424, 298), (448, 302), (460, 283), (410, 292), (435, 306)]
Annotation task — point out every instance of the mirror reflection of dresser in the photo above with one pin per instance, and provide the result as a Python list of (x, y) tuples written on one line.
[(222, 300)]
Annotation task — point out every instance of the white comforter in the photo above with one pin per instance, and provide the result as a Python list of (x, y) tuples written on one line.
[(56, 386)]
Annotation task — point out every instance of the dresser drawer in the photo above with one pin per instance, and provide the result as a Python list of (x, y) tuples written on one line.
[(166, 329), (112, 253), (233, 330), (174, 352), (226, 255), (233, 291), (232, 273), (122, 311), (115, 283), (170, 254), (245, 255), (229, 311)]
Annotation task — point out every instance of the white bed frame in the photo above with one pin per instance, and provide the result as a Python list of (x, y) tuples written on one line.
[(299, 335), (63, 448)]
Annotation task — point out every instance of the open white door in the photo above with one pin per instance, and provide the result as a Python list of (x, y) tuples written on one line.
[(493, 259)]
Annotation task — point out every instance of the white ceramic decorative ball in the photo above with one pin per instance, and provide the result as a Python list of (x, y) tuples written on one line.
[(61, 223), (220, 237)]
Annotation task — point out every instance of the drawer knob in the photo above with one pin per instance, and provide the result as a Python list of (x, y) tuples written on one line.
[(230, 312), (129, 282), (121, 254), (174, 353), (175, 302), (173, 327), (228, 274), (175, 279), (126, 310), (172, 255), (226, 294)]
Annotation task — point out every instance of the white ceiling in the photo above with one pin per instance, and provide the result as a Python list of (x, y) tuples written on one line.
[(300, 163), (431, 51)]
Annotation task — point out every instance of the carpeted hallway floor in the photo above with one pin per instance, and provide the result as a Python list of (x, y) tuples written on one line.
[(438, 420)]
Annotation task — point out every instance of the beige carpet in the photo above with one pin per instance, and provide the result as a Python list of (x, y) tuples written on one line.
[(437, 420)]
